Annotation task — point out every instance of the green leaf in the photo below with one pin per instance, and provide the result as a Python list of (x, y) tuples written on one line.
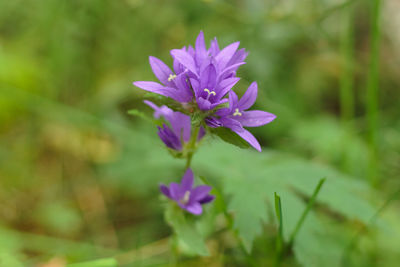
[(186, 230), (230, 137), (251, 180), (108, 262), (249, 209), (135, 112)]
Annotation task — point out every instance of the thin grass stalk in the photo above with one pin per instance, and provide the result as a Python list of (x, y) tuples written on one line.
[(310, 204), (347, 75), (372, 91), (279, 239)]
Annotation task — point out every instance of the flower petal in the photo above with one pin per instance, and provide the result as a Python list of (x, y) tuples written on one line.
[(196, 87), (161, 70), (183, 87), (199, 192), (207, 199), (159, 89), (214, 48), (225, 55), (255, 118), (227, 71), (249, 97), (180, 124), (175, 191), (213, 122), (185, 59), (203, 104), (164, 111), (151, 104), (194, 208), (169, 138), (187, 180), (191, 51), (208, 77), (165, 190), (200, 48), (225, 85), (232, 124), (223, 112), (216, 104), (233, 100), (149, 86), (249, 138), (202, 133), (238, 57)]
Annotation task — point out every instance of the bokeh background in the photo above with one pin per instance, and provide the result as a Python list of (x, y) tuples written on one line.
[(79, 176)]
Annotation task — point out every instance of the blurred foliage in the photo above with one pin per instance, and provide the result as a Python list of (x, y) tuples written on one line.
[(79, 176)]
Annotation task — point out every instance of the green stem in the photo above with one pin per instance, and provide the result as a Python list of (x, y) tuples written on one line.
[(279, 239), (306, 211), (229, 221), (373, 88), (191, 147), (346, 92), (347, 80)]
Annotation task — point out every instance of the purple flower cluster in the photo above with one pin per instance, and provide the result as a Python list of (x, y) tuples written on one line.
[(188, 197), (178, 132), (201, 81)]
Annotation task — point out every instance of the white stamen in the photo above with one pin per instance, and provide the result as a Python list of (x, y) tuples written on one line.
[(209, 93), (237, 113), (171, 77), (185, 198)]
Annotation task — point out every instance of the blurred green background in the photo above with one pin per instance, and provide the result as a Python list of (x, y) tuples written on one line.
[(79, 177)]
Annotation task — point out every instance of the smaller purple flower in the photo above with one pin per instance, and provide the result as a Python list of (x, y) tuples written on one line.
[(178, 132), (236, 116), (188, 197)]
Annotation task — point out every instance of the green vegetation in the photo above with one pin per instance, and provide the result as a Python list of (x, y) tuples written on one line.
[(79, 174)]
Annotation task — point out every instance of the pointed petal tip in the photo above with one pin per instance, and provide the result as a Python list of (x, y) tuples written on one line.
[(187, 180), (165, 190), (195, 209)]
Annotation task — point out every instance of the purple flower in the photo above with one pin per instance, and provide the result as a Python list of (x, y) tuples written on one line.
[(199, 75), (178, 132), (188, 197), (236, 116)]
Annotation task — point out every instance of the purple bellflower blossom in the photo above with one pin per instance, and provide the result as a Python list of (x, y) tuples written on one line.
[(236, 116), (201, 79), (178, 132), (188, 197), (200, 75)]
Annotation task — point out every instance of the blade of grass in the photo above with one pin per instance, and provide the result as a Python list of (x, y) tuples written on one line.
[(372, 90), (306, 211), (279, 239), (347, 54)]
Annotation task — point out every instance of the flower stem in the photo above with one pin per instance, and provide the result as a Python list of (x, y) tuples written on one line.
[(191, 148), (306, 211)]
